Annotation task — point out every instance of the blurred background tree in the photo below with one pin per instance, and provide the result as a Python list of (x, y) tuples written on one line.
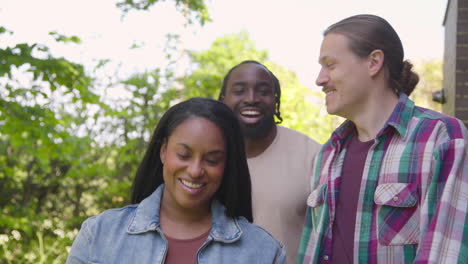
[(430, 80)]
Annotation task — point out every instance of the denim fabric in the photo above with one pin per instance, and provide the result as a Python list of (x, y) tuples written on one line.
[(133, 234)]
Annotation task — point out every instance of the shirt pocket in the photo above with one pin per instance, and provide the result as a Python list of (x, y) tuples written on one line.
[(317, 202), (397, 213)]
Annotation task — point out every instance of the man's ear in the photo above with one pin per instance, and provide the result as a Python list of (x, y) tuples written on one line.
[(376, 61), (163, 151)]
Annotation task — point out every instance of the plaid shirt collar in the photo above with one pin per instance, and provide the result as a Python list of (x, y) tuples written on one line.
[(398, 120)]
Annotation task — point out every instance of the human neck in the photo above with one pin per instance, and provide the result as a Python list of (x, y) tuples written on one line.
[(180, 223), (256, 146), (371, 117)]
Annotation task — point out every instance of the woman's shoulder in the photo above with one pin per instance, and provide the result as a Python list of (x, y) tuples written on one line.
[(257, 234), (257, 245), (111, 218)]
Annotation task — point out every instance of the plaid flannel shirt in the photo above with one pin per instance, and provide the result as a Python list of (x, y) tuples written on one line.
[(413, 202)]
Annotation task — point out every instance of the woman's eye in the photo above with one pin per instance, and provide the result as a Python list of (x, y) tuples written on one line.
[(212, 162), (183, 156)]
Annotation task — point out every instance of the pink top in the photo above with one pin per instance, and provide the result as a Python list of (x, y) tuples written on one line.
[(184, 250)]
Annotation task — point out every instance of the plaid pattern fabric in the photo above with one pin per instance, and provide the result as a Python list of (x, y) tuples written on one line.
[(413, 204)]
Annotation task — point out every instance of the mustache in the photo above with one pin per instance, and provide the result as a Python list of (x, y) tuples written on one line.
[(324, 88), (255, 104)]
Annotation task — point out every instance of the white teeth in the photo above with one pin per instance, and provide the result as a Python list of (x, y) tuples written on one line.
[(329, 92), (191, 184), (250, 112)]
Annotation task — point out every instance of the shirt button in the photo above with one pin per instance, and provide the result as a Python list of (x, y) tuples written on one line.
[(395, 198), (325, 257)]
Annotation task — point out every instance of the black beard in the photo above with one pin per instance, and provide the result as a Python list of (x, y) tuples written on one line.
[(260, 129)]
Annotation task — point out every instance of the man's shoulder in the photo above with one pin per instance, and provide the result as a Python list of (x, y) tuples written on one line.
[(452, 127), (293, 136)]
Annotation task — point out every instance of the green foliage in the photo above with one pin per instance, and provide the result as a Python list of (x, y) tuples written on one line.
[(59, 37), (43, 102), (211, 65), (45, 242), (191, 9), (430, 80), (55, 72), (4, 30)]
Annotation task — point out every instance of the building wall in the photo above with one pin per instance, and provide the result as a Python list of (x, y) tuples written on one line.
[(449, 81), (461, 73)]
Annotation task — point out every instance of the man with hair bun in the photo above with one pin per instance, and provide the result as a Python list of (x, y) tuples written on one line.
[(391, 184)]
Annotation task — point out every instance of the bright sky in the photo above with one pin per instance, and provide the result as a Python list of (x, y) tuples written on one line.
[(290, 30)]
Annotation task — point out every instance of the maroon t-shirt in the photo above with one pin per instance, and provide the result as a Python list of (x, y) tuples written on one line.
[(184, 250), (346, 207)]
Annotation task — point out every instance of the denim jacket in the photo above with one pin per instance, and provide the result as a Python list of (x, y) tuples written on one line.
[(133, 234)]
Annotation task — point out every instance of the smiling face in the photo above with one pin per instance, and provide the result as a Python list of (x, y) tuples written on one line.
[(344, 77), (250, 93), (194, 157)]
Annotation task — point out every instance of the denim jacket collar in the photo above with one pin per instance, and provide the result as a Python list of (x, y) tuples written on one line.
[(223, 228)]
